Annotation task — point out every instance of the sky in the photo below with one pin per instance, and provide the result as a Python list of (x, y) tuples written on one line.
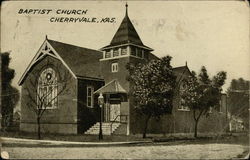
[(214, 34)]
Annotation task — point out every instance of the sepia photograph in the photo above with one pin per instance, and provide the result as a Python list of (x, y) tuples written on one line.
[(125, 79)]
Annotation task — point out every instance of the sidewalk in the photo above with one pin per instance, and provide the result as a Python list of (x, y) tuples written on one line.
[(52, 142)]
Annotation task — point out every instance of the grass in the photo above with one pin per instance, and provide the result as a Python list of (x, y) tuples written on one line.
[(74, 138), (234, 138)]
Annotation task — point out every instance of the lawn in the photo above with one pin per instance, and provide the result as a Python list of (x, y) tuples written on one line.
[(232, 138), (74, 138)]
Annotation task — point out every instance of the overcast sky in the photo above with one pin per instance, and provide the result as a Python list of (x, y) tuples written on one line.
[(210, 33)]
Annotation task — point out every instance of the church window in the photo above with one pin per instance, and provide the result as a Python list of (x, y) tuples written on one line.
[(116, 53), (90, 91), (182, 106), (114, 67), (139, 53), (108, 54), (133, 51), (123, 50), (47, 89)]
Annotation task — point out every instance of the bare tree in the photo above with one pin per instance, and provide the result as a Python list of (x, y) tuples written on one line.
[(41, 100)]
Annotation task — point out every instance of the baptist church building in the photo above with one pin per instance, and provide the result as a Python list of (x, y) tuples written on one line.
[(91, 72)]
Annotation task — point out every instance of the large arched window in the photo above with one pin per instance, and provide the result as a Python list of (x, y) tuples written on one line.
[(47, 89)]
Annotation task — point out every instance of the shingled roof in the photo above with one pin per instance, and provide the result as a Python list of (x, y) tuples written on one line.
[(112, 87), (126, 33), (83, 62), (181, 72)]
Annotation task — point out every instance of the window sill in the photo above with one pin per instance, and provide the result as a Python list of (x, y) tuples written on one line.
[(91, 107), (50, 108), (184, 110)]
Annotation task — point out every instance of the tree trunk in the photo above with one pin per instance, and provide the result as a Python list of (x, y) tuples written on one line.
[(38, 128), (145, 127), (196, 128), (196, 120)]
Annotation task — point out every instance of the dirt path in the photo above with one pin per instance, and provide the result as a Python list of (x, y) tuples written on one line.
[(189, 151)]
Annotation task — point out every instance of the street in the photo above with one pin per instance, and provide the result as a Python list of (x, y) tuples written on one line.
[(183, 151)]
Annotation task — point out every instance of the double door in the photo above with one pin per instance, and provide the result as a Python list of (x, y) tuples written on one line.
[(112, 112)]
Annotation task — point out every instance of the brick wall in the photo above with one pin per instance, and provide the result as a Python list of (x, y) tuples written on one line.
[(87, 116), (63, 119)]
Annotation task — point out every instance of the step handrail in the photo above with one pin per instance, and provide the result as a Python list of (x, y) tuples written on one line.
[(121, 115)]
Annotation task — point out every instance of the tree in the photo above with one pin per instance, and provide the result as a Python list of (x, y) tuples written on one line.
[(200, 93), (238, 99), (10, 95), (153, 86), (43, 89)]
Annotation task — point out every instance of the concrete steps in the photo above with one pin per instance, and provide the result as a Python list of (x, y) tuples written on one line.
[(106, 128)]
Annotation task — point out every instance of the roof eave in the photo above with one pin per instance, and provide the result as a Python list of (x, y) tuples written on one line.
[(125, 44)]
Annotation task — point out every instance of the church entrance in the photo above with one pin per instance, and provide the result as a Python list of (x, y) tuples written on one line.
[(114, 112)]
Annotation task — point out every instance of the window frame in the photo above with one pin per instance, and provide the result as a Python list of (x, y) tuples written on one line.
[(43, 87), (107, 54), (90, 96), (114, 67), (180, 106)]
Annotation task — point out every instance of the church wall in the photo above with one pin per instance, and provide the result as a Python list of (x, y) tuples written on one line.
[(87, 116), (63, 119), (181, 122), (121, 76), (178, 122), (136, 121)]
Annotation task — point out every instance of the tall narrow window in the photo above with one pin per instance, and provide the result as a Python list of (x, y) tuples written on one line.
[(47, 89), (116, 52), (182, 106), (123, 50), (114, 67), (108, 54), (90, 101)]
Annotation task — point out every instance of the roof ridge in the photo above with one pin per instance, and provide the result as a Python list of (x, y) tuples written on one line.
[(179, 67), (73, 45)]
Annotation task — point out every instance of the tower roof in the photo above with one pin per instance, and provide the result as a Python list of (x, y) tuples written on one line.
[(126, 33)]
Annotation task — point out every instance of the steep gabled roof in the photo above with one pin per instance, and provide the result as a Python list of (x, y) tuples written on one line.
[(83, 62), (181, 72)]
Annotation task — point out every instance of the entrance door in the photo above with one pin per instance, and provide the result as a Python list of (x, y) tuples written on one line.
[(114, 112)]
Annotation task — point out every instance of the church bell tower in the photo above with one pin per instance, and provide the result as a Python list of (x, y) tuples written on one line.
[(126, 46)]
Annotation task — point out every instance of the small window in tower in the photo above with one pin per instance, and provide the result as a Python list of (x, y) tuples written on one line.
[(116, 53), (139, 53), (133, 51), (114, 67), (123, 50), (108, 54)]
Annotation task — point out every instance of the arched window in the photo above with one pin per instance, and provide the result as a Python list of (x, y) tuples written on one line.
[(47, 89), (182, 106)]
